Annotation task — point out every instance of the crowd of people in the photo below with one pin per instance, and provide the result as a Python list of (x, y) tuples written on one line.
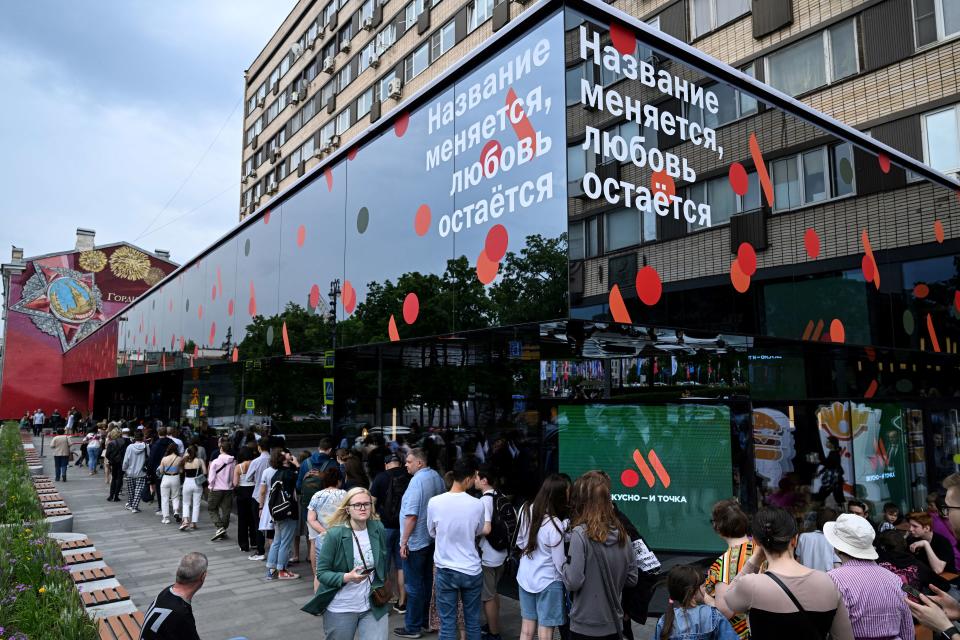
[(432, 537)]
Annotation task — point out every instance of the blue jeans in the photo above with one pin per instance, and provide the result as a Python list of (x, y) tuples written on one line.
[(346, 626), (279, 553), (60, 463), (418, 581), (452, 586), (93, 456)]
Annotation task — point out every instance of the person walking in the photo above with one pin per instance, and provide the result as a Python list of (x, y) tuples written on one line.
[(872, 595), (323, 504), (540, 574), (156, 450), (281, 475), (788, 601), (194, 474), (491, 559), (38, 420), (220, 498), (134, 460), (416, 545), (455, 520), (687, 617), (169, 472), (61, 454), (600, 563), (351, 569), (115, 452), (731, 524)]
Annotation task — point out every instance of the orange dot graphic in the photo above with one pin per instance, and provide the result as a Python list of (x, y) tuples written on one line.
[(400, 126), (868, 267), (740, 280), (266, 217), (421, 221), (938, 231), (629, 478), (747, 258), (811, 242), (328, 174), (623, 39), (486, 268), (349, 297), (649, 287), (301, 235), (230, 307), (837, 331), (738, 179), (411, 308), (392, 329), (314, 296), (921, 291), (496, 243)]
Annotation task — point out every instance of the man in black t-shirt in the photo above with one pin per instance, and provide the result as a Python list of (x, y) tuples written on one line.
[(170, 617), (928, 546)]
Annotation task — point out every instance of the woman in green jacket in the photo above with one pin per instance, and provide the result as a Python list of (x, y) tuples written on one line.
[(352, 563)]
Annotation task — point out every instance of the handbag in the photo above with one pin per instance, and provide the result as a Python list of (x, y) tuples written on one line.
[(381, 596), (796, 603)]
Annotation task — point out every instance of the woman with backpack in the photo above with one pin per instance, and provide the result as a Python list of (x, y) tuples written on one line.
[(601, 562), (540, 539), (323, 505), (278, 485), (351, 569)]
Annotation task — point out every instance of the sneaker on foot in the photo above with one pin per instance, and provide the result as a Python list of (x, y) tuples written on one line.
[(177, 517), (220, 534), (400, 607), (132, 510), (283, 574), (256, 556), (165, 521), (158, 512), (271, 575), (403, 632)]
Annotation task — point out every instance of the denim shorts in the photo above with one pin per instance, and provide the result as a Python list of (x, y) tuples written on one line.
[(393, 549), (546, 607)]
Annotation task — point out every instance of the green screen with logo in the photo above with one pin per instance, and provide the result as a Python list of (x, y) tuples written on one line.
[(668, 465)]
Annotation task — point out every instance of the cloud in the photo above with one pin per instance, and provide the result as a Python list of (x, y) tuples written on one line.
[(111, 105)]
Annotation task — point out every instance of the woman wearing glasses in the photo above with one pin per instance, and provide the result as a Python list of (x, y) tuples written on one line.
[(351, 565)]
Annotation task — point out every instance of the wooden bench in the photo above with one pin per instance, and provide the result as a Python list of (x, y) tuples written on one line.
[(50, 497), (67, 545), (104, 596), (80, 558), (56, 512), (89, 575), (122, 627)]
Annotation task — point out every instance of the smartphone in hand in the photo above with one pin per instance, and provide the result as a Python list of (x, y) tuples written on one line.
[(912, 592)]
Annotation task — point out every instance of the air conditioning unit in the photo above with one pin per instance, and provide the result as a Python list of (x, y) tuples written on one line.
[(394, 88), (367, 24), (261, 100), (252, 175), (256, 203), (243, 180), (345, 47), (272, 187), (318, 153), (296, 50), (328, 64), (294, 97), (333, 143), (374, 60), (275, 154)]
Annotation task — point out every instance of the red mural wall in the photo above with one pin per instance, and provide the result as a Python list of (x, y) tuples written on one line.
[(54, 303)]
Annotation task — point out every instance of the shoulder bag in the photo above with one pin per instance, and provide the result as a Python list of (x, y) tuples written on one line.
[(201, 477), (381, 596), (796, 603)]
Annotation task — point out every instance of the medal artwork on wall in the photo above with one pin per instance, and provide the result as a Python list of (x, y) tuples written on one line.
[(62, 303)]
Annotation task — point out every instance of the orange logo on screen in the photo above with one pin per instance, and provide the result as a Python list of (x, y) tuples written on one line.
[(631, 478)]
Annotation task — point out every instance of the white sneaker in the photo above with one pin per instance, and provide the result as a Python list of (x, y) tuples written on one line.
[(165, 521), (256, 556)]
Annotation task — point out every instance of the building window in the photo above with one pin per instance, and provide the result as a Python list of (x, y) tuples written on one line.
[(621, 229), (813, 176), (384, 84), (935, 20), (579, 162), (307, 148), (344, 78), (344, 37), (583, 239), (441, 41), (411, 13), (386, 38), (363, 62), (478, 12), (284, 66), (416, 63), (327, 132), (941, 139), (732, 105), (707, 15), (343, 121), (364, 102), (328, 91), (329, 11), (815, 61), (574, 75), (366, 11)]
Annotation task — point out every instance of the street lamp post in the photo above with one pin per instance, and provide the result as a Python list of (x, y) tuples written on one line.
[(332, 317)]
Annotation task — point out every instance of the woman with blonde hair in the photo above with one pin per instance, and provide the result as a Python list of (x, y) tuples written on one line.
[(351, 569), (112, 435)]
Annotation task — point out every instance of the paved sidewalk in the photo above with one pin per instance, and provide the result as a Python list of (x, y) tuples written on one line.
[(235, 600)]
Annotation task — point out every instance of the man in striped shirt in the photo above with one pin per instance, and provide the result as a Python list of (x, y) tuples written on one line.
[(872, 594)]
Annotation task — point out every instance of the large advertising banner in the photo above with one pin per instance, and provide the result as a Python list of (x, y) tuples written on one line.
[(668, 465)]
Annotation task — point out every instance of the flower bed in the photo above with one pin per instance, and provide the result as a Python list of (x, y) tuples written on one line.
[(38, 599)]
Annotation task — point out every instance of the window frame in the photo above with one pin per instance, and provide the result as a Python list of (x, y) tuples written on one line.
[(472, 23), (941, 35), (831, 169), (713, 18), (827, 47), (924, 139)]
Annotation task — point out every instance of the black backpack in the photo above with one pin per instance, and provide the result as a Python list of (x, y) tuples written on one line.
[(390, 512), (313, 483), (281, 502), (503, 524)]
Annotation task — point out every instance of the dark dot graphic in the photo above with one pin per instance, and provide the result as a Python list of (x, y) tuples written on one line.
[(270, 336), (246, 247), (363, 220), (187, 305)]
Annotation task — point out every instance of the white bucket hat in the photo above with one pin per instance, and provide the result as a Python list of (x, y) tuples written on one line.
[(851, 535)]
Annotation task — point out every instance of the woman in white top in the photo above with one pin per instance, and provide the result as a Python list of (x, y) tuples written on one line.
[(193, 466), (323, 505), (540, 540), (171, 466)]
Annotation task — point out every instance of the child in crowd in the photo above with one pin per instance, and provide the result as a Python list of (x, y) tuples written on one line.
[(891, 517), (687, 617)]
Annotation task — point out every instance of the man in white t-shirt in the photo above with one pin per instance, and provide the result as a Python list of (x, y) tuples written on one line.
[(455, 520), (491, 559)]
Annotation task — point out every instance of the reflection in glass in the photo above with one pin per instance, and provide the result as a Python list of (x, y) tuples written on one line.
[(814, 176), (943, 139)]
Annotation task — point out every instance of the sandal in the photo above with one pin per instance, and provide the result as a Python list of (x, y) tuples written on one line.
[(283, 574), (184, 525)]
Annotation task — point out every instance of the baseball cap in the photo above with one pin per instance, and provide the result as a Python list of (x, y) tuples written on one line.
[(391, 458)]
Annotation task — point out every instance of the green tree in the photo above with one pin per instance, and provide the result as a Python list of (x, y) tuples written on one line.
[(533, 284)]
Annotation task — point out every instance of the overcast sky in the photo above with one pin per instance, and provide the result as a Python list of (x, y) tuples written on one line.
[(107, 107)]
